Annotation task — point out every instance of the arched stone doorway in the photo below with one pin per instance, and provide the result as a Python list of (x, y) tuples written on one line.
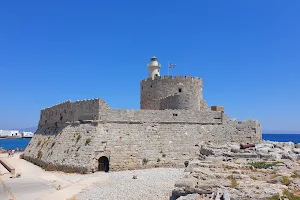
[(103, 164)]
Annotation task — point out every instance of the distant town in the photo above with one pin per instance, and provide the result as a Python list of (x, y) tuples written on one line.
[(15, 134)]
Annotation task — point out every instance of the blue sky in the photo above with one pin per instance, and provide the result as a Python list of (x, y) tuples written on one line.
[(247, 53)]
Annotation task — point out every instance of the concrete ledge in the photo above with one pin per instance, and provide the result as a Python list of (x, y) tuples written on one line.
[(10, 168)]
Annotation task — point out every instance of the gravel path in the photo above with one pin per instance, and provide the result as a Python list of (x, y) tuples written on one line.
[(151, 184)]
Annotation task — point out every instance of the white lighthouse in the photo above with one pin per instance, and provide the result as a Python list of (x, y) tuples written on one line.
[(153, 68)]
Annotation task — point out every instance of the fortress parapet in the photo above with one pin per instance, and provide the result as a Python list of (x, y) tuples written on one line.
[(72, 111)]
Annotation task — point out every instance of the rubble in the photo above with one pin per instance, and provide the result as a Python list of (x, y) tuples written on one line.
[(232, 171)]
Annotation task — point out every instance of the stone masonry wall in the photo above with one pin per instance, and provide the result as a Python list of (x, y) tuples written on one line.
[(134, 139), (68, 111), (153, 91), (180, 101)]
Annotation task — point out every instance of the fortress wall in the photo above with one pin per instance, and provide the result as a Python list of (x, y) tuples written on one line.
[(88, 109), (58, 113), (180, 101), (68, 111), (160, 116), (250, 129), (152, 91), (127, 144)]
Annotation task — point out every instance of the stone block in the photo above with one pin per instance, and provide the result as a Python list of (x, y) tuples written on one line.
[(217, 108)]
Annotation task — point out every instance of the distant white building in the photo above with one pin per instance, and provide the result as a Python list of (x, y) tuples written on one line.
[(27, 134), (10, 133)]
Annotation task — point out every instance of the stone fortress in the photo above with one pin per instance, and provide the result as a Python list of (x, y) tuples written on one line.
[(87, 136)]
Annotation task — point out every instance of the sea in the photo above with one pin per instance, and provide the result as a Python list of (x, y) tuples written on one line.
[(21, 143)]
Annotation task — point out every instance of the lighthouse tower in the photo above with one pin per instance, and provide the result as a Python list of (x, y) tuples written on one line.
[(153, 67)]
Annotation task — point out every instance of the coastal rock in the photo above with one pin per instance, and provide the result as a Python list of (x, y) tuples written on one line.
[(186, 182), (190, 197), (206, 151), (296, 151), (290, 156)]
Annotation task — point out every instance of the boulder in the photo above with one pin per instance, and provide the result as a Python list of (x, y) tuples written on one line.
[(296, 151), (290, 156), (263, 150), (206, 151), (275, 155), (276, 180), (190, 197), (186, 182), (226, 195)]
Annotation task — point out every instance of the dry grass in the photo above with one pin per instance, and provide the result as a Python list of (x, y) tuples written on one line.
[(286, 180), (229, 167), (234, 183)]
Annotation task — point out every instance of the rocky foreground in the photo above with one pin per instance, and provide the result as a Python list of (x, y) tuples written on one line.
[(270, 170)]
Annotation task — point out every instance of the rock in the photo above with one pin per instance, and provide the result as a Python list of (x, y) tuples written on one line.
[(276, 180), (269, 156), (226, 195), (296, 151), (190, 197), (186, 182), (241, 155), (297, 173), (206, 151), (134, 177), (297, 145), (275, 155), (290, 156), (263, 150), (18, 175)]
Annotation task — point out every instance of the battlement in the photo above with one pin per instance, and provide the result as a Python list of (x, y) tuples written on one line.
[(72, 111), (178, 77)]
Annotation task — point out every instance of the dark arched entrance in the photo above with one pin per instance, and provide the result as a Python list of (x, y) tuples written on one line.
[(103, 164)]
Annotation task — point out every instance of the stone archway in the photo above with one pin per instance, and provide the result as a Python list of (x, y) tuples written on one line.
[(103, 164)]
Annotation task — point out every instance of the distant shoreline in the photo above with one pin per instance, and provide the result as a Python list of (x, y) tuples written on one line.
[(14, 137), (281, 133)]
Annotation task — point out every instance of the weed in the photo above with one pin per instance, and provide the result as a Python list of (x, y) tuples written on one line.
[(253, 178), (264, 165), (158, 160), (230, 177), (274, 197), (87, 141), (286, 180), (78, 138), (164, 155), (40, 155), (234, 183), (228, 167), (145, 161), (38, 144), (290, 195)]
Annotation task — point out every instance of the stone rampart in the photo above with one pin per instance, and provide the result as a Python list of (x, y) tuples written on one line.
[(154, 90), (160, 116), (133, 139), (68, 111)]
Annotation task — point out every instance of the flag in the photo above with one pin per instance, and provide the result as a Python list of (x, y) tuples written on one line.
[(172, 65)]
